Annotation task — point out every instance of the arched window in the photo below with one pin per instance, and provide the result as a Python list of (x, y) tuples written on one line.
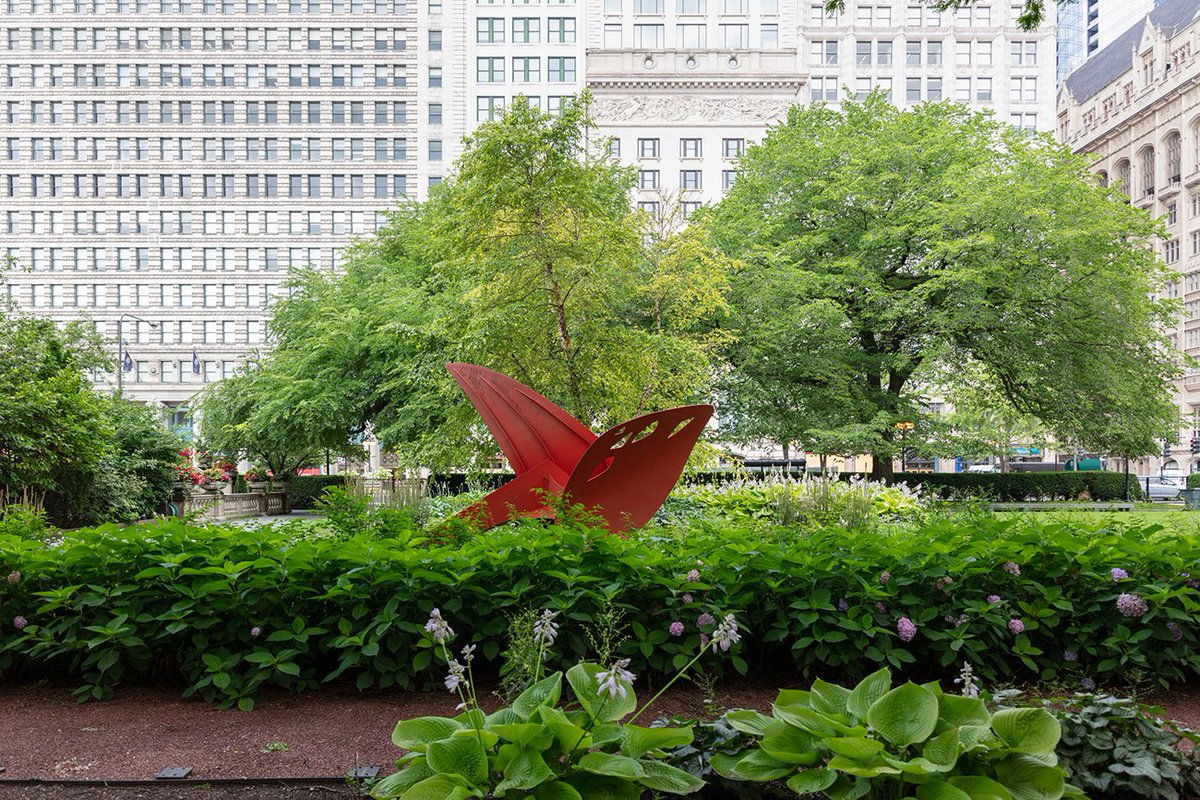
[(1174, 157), (1146, 168), (1196, 145), (1125, 176), (1102, 178)]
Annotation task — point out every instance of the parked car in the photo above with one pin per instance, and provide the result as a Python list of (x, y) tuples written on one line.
[(1162, 487)]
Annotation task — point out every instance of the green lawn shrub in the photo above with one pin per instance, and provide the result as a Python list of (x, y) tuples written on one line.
[(1016, 487), (305, 490), (231, 610)]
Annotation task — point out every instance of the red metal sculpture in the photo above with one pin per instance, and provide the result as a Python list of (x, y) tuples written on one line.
[(625, 474)]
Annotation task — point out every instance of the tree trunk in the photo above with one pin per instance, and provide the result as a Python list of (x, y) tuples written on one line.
[(881, 464)]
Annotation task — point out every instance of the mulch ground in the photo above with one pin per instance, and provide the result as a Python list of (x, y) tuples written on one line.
[(319, 736)]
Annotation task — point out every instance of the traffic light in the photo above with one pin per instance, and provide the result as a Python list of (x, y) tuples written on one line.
[(1196, 444), (1166, 451)]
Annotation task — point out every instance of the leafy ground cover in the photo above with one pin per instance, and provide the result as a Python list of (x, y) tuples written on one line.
[(228, 611)]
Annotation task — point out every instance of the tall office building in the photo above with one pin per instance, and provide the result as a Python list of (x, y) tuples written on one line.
[(163, 162), (1135, 105), (1085, 26)]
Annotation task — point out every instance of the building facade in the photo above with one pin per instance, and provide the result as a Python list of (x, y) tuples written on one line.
[(1135, 105), (164, 162)]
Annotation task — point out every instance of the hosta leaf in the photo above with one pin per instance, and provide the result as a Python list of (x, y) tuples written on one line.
[(858, 748), (754, 765), (556, 790), (789, 744), (828, 698), (664, 778), (545, 692), (524, 734), (979, 787), (438, 787), (955, 711), (872, 769), (905, 715), (974, 736), (604, 707), (459, 755), (941, 791), (398, 783), (943, 748), (639, 740), (812, 781), (1029, 779), (814, 722), (524, 771), (1029, 730), (570, 736), (419, 732), (870, 689), (612, 765), (502, 716), (603, 787), (748, 721), (848, 788)]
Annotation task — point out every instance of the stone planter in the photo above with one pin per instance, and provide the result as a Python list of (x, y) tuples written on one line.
[(258, 487), (213, 487)]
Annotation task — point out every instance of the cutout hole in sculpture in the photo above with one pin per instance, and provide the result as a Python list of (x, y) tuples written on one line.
[(623, 436), (680, 427), (644, 432)]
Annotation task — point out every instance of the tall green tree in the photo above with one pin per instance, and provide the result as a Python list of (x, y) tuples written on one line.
[(932, 242), (528, 259)]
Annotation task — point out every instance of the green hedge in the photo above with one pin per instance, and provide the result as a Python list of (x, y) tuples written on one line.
[(1024, 486), (305, 490), (232, 610), (1193, 480)]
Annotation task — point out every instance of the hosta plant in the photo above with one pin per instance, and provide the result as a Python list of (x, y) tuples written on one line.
[(541, 747), (874, 741)]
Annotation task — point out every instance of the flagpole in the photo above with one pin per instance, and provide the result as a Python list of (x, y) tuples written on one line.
[(120, 348)]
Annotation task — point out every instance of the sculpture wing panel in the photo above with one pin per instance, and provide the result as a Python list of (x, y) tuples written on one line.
[(529, 428), (628, 471)]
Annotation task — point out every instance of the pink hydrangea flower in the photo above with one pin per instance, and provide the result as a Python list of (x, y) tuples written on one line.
[(694, 576), (1016, 626), (1118, 574), (676, 629), (906, 628), (706, 619), (19, 622), (1132, 605), (687, 598), (994, 599), (13, 577), (704, 640), (1012, 567), (884, 577), (255, 632)]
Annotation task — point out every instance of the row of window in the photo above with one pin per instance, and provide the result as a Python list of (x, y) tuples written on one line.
[(975, 15), (525, 69), (387, 8), (922, 52), (525, 30), (170, 259), (689, 179), (769, 7), (187, 149), (966, 90), (689, 147), (224, 76), (1147, 165), (208, 112), (212, 39), (228, 223), (384, 187), (691, 36), (491, 107), (144, 295)]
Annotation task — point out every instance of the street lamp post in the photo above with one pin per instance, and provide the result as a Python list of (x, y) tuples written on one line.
[(121, 348)]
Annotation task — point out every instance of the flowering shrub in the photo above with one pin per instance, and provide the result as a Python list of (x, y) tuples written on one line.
[(102, 604)]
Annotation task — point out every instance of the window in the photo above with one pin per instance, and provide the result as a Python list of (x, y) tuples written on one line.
[(435, 77), (560, 30), (823, 89), (728, 176), (737, 37), (1146, 168), (824, 52), (648, 148), (912, 90), (689, 36), (526, 69), (933, 89), (646, 6), (488, 108), (435, 149), (689, 179), (648, 179), (690, 148), (1171, 251), (488, 69), (1174, 147), (1172, 213), (933, 53), (648, 36), (490, 30), (883, 53), (526, 30), (435, 41), (1024, 54), (770, 36), (733, 148), (912, 53), (862, 53), (560, 69)]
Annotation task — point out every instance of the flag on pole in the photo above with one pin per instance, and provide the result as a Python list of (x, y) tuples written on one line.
[(195, 363), (127, 364)]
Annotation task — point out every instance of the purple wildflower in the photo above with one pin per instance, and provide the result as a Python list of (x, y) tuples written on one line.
[(906, 629), (942, 583), (843, 605), (1070, 655), (1016, 626), (1132, 605), (676, 628), (704, 640), (694, 576), (13, 577), (1011, 567), (1176, 631), (687, 598), (19, 622), (705, 619), (1118, 574), (994, 599), (884, 577), (1088, 684), (881, 607), (255, 632)]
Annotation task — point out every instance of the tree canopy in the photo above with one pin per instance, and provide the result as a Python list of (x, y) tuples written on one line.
[(888, 253), (528, 259)]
